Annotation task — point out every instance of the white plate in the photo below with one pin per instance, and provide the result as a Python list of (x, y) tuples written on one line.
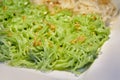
[(105, 67)]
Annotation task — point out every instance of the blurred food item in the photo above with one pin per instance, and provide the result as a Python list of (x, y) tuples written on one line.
[(103, 7)]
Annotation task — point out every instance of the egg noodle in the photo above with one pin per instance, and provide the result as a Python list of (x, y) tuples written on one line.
[(105, 8)]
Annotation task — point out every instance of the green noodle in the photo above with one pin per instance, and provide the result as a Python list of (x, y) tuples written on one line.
[(31, 36)]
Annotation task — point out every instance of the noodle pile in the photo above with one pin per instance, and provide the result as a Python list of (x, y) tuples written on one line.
[(48, 37)]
